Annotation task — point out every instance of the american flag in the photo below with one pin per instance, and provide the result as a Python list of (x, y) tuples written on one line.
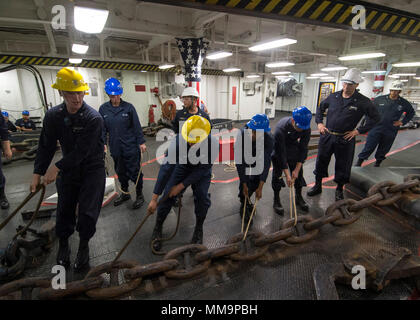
[(193, 52)]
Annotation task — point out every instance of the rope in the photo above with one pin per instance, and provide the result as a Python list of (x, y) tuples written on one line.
[(292, 201), (250, 219)]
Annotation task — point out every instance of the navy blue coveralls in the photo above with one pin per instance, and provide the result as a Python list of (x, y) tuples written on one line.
[(4, 136), (343, 116), (182, 115), (290, 147), (177, 168), (125, 137), (81, 180), (29, 124), (252, 180), (384, 133)]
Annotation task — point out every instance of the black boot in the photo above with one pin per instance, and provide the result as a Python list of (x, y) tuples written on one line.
[(198, 231), (139, 199), (4, 204), (122, 197), (82, 258), (157, 234), (359, 162), (316, 189), (377, 164), (63, 254), (300, 202), (278, 208), (339, 193)]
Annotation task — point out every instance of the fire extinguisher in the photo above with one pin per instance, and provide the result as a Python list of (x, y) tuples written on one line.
[(152, 115)]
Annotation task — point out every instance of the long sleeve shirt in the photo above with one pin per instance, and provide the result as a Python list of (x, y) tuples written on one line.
[(344, 114), (392, 110), (28, 124), (4, 133), (80, 137), (182, 115)]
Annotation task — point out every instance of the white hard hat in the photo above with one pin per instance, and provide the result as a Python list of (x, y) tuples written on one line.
[(396, 85), (190, 91), (352, 76)]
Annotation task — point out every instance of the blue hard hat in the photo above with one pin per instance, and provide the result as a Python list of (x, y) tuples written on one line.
[(259, 121), (113, 87), (5, 113), (302, 117), (25, 112)]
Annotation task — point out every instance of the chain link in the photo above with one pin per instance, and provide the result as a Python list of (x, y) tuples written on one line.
[(198, 258)]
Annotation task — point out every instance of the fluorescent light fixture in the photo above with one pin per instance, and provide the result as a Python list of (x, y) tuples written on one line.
[(406, 64), (393, 76), (279, 64), (417, 78), (79, 48), (374, 71), (283, 77), (280, 72), (218, 55), (143, 71), (319, 74), (312, 77), (404, 74), (75, 60), (272, 44), (166, 66), (251, 76), (90, 20), (231, 69), (327, 78), (338, 68), (404, 80), (362, 56)]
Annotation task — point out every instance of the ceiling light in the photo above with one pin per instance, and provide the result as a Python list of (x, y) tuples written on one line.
[(417, 78), (362, 56), (143, 71), (407, 64), (327, 78), (375, 71), (338, 68), (280, 72), (218, 55), (393, 76), (90, 20), (311, 77), (272, 44), (250, 76), (404, 74), (279, 64), (404, 80), (319, 74), (75, 60), (233, 69), (79, 48), (166, 66)]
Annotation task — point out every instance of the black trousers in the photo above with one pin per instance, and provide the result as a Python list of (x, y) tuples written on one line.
[(381, 138), (127, 167), (343, 151), (85, 189)]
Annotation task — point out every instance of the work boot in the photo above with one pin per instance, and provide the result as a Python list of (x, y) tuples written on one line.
[(278, 208), (4, 203), (377, 164), (63, 254), (339, 194), (198, 231), (157, 234), (359, 162), (82, 258), (316, 189), (122, 197), (300, 202), (139, 199)]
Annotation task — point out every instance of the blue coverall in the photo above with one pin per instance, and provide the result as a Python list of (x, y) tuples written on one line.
[(182, 115), (29, 124), (384, 133), (342, 117), (125, 137), (4, 136), (290, 147), (81, 180), (252, 181)]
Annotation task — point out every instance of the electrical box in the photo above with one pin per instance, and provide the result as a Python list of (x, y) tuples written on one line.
[(248, 86)]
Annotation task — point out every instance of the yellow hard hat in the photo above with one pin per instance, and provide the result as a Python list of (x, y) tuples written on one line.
[(195, 129), (70, 80)]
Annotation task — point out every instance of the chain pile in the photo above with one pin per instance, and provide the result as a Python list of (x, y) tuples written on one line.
[(197, 259)]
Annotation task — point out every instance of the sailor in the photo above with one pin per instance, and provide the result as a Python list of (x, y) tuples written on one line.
[(252, 175), (291, 138), (80, 173), (179, 171), (126, 141), (25, 124), (345, 109), (10, 126), (5, 145), (391, 107)]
